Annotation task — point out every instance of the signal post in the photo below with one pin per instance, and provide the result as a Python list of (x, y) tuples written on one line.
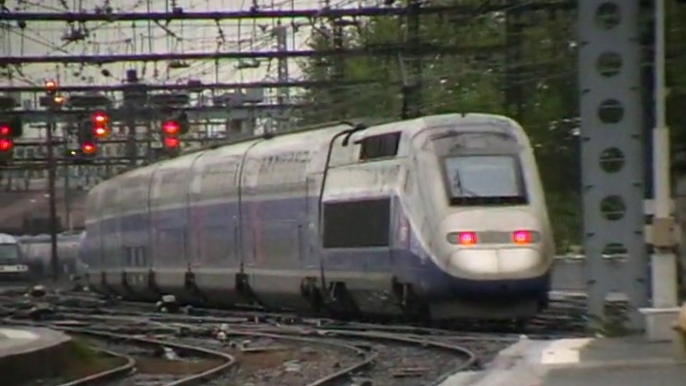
[(55, 103)]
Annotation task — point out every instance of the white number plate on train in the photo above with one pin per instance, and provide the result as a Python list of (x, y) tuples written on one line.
[(13, 268)]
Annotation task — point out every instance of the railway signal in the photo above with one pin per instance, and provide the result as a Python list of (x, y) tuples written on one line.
[(9, 131), (171, 128), (88, 148), (171, 142), (11, 128), (100, 124), (170, 132), (6, 145), (50, 87)]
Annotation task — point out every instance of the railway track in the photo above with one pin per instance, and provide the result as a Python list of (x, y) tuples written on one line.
[(298, 353), (566, 315), (196, 366), (341, 357)]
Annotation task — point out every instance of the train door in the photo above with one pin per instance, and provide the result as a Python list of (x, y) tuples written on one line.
[(311, 245)]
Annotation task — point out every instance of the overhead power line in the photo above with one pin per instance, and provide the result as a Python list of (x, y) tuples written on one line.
[(465, 10), (381, 50), (191, 87)]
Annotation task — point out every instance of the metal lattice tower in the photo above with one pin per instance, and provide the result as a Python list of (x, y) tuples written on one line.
[(612, 161)]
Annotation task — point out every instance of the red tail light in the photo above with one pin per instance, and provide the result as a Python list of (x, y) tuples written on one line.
[(5, 130), (466, 238), (521, 237)]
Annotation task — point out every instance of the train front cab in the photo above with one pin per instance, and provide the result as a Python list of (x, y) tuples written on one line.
[(491, 237), (13, 264)]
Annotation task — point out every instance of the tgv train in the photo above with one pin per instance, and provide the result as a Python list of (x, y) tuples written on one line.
[(442, 216), (37, 251), (13, 263)]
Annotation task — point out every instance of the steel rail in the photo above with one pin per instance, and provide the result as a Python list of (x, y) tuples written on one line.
[(293, 333), (194, 379), (471, 359), (107, 375), (331, 379), (187, 381)]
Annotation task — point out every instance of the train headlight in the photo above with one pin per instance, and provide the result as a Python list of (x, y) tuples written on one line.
[(521, 237), (462, 238)]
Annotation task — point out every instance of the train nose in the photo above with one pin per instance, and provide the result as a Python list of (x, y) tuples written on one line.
[(491, 244), (491, 220), (494, 263)]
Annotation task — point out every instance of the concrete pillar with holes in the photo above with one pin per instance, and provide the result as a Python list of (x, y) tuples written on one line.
[(612, 156)]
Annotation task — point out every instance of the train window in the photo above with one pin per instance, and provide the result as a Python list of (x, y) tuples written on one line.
[(357, 224), (9, 252), (379, 146), (480, 180)]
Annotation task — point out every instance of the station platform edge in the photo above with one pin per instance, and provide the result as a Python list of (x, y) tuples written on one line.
[(574, 362)]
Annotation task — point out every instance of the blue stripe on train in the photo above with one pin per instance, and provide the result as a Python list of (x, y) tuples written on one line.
[(292, 246)]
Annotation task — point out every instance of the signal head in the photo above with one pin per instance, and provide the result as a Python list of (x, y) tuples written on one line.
[(170, 127), (5, 130), (171, 142), (5, 144), (99, 118), (88, 148), (50, 87), (100, 132)]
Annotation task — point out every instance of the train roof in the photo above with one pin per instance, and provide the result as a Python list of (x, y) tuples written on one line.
[(8, 239), (369, 127), (26, 239)]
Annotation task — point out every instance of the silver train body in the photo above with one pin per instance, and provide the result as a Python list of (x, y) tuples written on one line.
[(441, 216), (37, 250), (13, 262)]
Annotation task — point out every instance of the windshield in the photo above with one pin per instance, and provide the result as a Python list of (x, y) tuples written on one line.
[(484, 179), (9, 251)]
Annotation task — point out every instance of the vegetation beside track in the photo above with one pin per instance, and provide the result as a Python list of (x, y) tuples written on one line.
[(77, 360)]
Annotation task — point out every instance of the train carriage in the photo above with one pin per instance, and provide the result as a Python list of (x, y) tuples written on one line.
[(13, 263), (442, 216)]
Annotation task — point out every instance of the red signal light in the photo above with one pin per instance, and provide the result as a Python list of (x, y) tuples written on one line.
[(50, 86), (88, 148), (5, 130), (170, 128), (521, 237), (99, 118), (100, 132), (171, 142), (5, 144)]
